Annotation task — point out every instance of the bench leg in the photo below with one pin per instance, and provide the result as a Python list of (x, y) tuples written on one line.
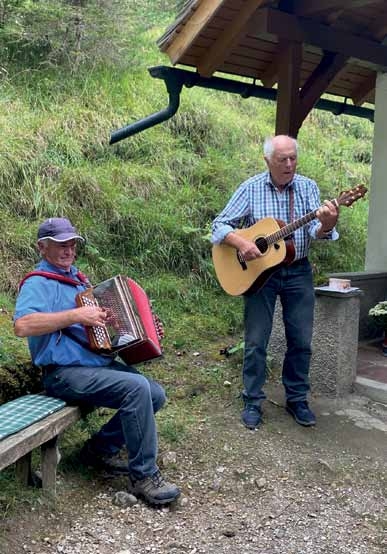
[(23, 470), (49, 462)]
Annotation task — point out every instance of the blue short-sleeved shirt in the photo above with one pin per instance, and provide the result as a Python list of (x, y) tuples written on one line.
[(41, 294)]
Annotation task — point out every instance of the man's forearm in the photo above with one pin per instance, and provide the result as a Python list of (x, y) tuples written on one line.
[(232, 239), (32, 325)]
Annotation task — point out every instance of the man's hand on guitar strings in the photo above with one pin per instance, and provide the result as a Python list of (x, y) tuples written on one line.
[(248, 250)]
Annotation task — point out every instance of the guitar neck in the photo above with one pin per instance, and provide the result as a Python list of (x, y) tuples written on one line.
[(289, 229)]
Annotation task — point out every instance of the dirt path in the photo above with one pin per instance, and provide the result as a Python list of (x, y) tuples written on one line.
[(282, 489)]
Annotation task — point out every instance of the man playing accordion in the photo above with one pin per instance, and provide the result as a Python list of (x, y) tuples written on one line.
[(46, 312)]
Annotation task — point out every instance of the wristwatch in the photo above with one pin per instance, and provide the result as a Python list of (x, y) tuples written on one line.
[(327, 234)]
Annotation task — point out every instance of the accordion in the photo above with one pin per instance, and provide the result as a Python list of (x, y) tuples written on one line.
[(133, 330)]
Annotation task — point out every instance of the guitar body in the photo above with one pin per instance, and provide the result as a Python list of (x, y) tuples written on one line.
[(274, 240), (238, 278)]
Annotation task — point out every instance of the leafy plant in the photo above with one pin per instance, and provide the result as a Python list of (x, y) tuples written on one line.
[(378, 314)]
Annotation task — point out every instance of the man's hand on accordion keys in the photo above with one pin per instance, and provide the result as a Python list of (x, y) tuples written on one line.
[(117, 315), (93, 316)]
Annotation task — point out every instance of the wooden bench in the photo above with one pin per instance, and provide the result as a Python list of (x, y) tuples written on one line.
[(17, 448)]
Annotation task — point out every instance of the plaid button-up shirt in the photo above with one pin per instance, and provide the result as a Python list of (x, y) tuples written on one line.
[(257, 198)]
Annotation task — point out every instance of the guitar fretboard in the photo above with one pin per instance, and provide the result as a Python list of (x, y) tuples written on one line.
[(289, 229)]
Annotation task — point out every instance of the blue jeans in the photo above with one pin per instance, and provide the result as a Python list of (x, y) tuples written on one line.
[(294, 286), (136, 399)]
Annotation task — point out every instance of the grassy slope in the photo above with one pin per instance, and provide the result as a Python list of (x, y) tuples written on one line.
[(145, 205)]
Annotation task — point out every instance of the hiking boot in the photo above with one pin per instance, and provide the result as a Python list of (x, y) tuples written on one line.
[(154, 489), (301, 413), (251, 416), (113, 465)]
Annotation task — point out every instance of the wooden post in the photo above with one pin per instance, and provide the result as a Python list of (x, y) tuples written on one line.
[(23, 470), (49, 461), (288, 100)]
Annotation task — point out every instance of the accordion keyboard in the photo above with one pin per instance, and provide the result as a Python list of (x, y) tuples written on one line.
[(97, 333), (131, 329)]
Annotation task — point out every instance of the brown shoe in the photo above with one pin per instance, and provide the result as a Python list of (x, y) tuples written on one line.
[(154, 489)]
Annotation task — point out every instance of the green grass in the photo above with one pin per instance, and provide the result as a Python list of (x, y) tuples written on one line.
[(146, 204)]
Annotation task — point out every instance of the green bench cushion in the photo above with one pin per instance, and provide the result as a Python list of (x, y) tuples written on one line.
[(26, 410)]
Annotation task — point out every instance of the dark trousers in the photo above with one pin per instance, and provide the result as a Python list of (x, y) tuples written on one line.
[(294, 286), (136, 399)]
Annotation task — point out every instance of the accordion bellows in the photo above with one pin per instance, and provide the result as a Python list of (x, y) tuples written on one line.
[(132, 330)]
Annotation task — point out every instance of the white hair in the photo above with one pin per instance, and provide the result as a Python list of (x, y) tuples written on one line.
[(268, 146), (42, 242)]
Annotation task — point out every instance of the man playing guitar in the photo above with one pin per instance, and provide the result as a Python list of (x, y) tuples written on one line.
[(282, 194)]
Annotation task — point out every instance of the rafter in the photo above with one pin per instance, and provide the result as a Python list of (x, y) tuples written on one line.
[(270, 76), (290, 27), (313, 7), (225, 41), (360, 95), (318, 82), (202, 15), (364, 90)]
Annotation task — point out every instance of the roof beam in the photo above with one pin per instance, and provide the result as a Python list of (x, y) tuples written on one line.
[(270, 76), (330, 65), (288, 117), (200, 18), (313, 7), (360, 95), (327, 70), (217, 53), (364, 90), (291, 27)]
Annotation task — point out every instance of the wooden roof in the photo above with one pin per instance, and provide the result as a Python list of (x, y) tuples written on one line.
[(343, 41)]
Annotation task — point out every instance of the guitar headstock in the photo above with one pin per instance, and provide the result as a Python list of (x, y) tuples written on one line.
[(348, 197)]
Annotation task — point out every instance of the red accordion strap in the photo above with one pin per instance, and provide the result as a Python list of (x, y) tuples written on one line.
[(83, 280)]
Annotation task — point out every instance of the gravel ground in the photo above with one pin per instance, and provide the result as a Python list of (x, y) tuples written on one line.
[(280, 489)]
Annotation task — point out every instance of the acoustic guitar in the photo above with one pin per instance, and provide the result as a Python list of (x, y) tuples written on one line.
[(274, 240)]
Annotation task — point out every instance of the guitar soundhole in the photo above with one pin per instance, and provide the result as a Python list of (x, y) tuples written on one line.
[(261, 244)]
